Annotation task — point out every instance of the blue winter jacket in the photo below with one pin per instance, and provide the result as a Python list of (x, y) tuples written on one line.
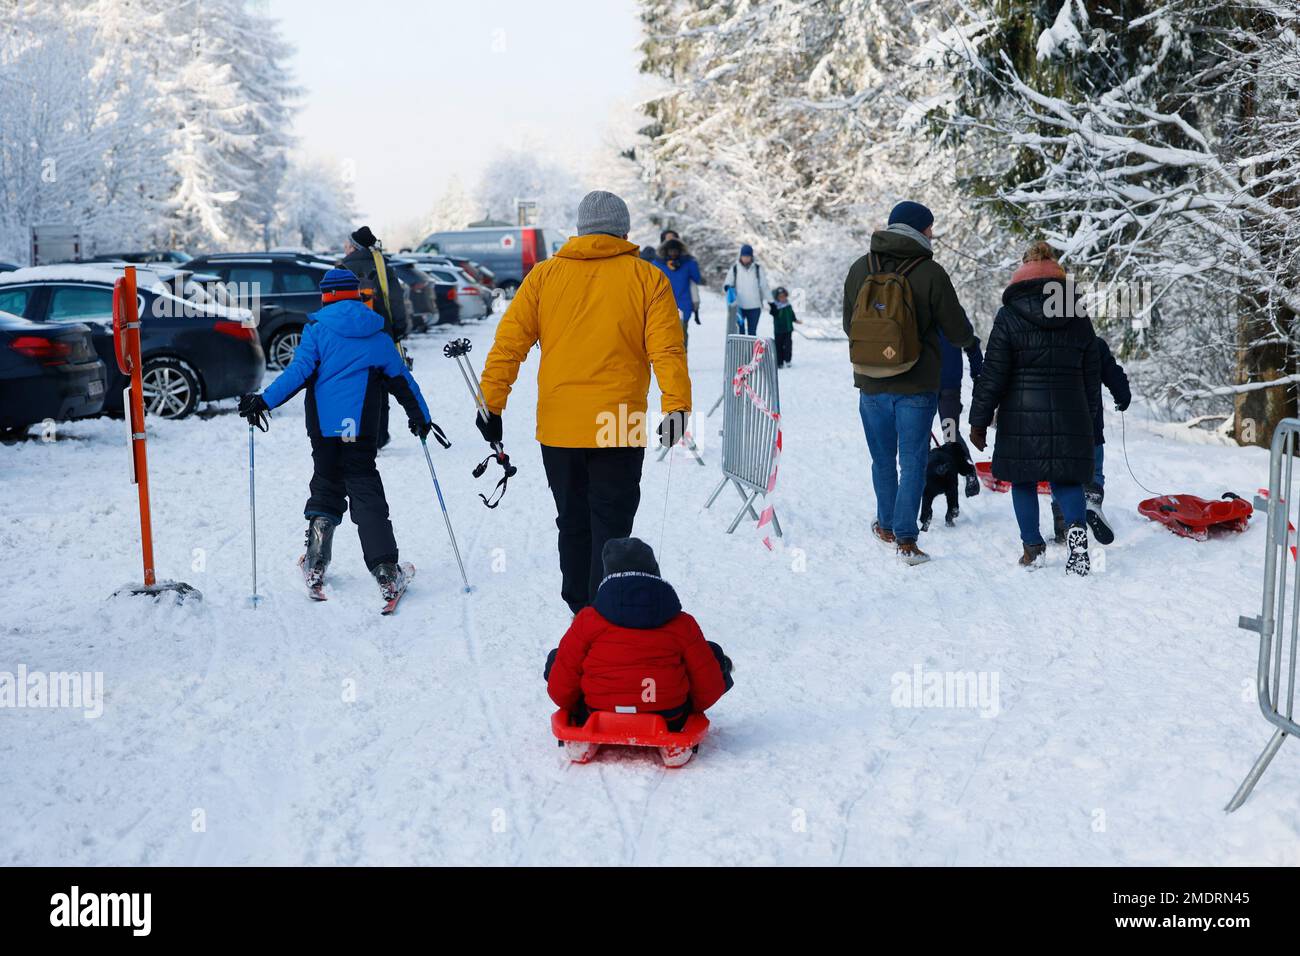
[(687, 271), (344, 349)]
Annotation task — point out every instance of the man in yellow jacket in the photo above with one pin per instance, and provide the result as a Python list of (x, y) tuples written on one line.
[(604, 318)]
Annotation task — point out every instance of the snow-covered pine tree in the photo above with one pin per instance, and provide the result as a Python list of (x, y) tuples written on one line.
[(1127, 132)]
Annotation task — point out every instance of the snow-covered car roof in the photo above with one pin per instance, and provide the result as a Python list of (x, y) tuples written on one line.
[(153, 277)]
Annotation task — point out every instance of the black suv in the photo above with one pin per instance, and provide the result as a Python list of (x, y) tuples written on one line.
[(288, 290)]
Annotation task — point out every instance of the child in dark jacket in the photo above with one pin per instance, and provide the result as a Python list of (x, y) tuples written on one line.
[(783, 323), (634, 650)]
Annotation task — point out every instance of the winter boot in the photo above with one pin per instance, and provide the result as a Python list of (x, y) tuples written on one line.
[(910, 554), (881, 535), (391, 578), (1033, 557), (1058, 523), (1101, 529), (319, 542), (1076, 539)]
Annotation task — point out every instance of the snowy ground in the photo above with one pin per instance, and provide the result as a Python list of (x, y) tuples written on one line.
[(325, 734)]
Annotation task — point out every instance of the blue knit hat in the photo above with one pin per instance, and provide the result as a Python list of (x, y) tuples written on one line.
[(912, 214), (339, 280), (746, 250)]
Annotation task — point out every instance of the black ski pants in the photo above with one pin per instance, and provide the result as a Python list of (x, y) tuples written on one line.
[(596, 491), (345, 478)]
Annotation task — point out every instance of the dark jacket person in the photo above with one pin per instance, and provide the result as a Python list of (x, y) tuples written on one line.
[(1042, 375)]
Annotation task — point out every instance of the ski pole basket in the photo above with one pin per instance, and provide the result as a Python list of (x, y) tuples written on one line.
[(459, 349)]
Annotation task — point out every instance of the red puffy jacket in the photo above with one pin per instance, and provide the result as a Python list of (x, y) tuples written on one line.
[(635, 648)]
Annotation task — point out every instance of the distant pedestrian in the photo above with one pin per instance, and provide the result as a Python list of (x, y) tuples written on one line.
[(683, 272), (783, 322), (748, 281)]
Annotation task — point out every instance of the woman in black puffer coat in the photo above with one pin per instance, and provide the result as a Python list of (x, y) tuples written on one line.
[(1042, 375)]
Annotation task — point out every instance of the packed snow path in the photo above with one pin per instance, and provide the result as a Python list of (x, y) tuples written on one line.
[(303, 733)]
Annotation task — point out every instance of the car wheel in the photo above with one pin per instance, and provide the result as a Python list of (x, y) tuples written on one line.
[(171, 389), (279, 351)]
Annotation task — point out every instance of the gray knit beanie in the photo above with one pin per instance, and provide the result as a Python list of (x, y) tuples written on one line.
[(602, 212)]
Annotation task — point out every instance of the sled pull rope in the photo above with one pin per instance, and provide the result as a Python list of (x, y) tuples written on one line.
[(1123, 432)]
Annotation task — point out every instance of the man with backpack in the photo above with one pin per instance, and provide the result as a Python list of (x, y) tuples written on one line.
[(896, 301), (747, 283)]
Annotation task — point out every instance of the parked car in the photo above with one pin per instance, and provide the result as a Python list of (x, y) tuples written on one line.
[(47, 371), (510, 252), (422, 292), (468, 294), (143, 257), (284, 287), (480, 275), (194, 349)]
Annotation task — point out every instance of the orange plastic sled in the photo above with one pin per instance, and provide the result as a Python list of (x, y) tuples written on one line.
[(629, 730), (985, 470)]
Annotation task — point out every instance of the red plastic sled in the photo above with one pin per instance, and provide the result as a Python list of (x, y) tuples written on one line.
[(985, 471), (1194, 517), (629, 730)]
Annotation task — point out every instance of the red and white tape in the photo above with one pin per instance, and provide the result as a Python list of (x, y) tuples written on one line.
[(739, 383)]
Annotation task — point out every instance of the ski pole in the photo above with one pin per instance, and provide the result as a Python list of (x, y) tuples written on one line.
[(252, 509), (445, 517), (458, 349)]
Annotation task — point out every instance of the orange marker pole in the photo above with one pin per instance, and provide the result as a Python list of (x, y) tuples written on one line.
[(126, 343)]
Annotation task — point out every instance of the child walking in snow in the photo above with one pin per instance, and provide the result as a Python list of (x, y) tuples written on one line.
[(634, 650), (348, 366), (783, 323)]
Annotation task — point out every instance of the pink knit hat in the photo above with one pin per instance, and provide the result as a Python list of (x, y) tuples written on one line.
[(1038, 269)]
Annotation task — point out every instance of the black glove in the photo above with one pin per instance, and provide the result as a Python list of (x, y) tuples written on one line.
[(972, 486), (489, 428), (419, 429), (697, 316), (1123, 406), (672, 428), (255, 411)]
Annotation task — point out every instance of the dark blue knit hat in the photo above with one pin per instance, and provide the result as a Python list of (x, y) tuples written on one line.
[(746, 250), (339, 280), (912, 214)]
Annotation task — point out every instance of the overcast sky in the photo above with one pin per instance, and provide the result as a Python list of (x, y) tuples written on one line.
[(410, 92)]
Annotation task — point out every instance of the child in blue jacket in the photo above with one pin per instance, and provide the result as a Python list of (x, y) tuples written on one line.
[(348, 366)]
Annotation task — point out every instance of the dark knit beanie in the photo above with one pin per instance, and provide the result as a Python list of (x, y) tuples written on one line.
[(628, 554)]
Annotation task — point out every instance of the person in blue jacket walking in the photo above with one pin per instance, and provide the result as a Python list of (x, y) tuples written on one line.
[(348, 366), (950, 376), (681, 270)]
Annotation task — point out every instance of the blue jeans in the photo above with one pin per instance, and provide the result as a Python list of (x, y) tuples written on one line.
[(1098, 471), (748, 317), (898, 437), (1024, 499)]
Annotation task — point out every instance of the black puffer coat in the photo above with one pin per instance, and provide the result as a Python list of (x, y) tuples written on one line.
[(1042, 374)]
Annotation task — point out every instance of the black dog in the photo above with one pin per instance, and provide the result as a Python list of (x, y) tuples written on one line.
[(946, 463)]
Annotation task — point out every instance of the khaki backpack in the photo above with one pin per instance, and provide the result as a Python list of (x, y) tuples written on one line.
[(884, 340)]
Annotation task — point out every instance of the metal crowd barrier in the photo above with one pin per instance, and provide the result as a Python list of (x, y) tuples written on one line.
[(1278, 624), (748, 435)]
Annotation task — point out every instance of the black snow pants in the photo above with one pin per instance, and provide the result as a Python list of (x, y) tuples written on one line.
[(345, 477), (596, 491), (784, 348)]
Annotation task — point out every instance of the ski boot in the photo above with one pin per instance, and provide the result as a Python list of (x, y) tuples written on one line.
[(393, 579), (1076, 539), (1033, 557), (1101, 529), (319, 541)]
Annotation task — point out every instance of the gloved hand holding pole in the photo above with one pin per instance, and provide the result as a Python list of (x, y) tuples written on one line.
[(488, 423)]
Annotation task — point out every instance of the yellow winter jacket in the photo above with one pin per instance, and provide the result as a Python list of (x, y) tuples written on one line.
[(603, 317)]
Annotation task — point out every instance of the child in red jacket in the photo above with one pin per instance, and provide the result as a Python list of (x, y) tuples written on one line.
[(634, 650)]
